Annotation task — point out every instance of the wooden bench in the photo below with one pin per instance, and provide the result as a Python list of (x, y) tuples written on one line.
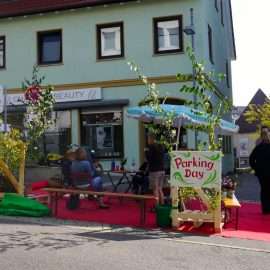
[(55, 192), (229, 204)]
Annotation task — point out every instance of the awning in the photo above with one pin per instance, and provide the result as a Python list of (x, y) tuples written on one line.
[(77, 105)]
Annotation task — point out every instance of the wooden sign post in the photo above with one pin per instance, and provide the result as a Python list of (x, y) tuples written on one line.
[(198, 170), (18, 184)]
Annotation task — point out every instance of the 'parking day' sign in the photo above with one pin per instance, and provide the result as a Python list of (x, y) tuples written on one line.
[(196, 169)]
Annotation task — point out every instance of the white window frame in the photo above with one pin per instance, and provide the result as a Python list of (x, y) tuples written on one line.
[(116, 28), (167, 23)]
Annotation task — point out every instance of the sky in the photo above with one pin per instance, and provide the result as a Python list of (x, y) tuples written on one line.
[(251, 70)]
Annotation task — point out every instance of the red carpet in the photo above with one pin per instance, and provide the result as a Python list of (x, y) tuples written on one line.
[(252, 224), (125, 212)]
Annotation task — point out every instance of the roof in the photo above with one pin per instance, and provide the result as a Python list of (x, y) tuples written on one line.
[(244, 127), (12, 8)]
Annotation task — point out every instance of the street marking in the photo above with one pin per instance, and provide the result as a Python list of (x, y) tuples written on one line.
[(141, 233), (218, 245)]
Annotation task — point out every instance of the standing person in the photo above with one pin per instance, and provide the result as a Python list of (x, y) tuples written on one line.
[(260, 161), (82, 168), (155, 159), (263, 129)]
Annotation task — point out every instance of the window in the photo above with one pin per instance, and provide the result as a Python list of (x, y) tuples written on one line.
[(110, 40), (221, 12), (168, 35), (103, 132), (226, 144), (216, 4), (227, 74), (2, 52), (50, 47), (210, 44)]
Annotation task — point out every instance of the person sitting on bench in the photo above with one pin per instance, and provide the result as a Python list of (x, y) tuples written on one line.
[(82, 174), (66, 167)]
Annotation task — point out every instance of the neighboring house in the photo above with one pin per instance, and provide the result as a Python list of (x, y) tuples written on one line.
[(82, 47), (245, 140)]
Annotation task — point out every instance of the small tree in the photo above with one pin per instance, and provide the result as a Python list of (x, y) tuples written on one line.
[(204, 90), (39, 103), (258, 114)]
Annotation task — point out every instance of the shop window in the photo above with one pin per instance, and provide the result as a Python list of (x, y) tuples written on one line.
[(58, 137), (168, 35), (103, 132), (16, 120), (2, 52), (110, 40), (50, 47)]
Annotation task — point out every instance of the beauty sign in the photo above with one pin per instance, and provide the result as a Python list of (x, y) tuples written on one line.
[(196, 169)]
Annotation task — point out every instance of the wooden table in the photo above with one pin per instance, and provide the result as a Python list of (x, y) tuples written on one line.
[(229, 204), (125, 176)]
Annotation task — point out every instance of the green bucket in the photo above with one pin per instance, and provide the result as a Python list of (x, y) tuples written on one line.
[(163, 215)]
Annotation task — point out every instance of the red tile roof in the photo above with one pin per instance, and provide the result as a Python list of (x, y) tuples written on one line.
[(11, 8)]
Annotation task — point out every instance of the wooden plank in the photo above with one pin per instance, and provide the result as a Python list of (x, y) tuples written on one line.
[(21, 172), (111, 194), (196, 216), (9, 176), (174, 212), (218, 218)]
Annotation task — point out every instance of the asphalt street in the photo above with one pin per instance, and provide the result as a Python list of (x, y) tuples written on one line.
[(33, 244)]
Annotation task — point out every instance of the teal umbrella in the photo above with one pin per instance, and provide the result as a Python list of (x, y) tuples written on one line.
[(183, 115)]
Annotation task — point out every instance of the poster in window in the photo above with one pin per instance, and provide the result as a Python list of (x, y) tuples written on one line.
[(104, 137), (243, 147)]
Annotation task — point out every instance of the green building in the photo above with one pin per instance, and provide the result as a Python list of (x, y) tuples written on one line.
[(82, 47)]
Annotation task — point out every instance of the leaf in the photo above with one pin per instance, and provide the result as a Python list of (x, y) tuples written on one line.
[(178, 176), (211, 178), (214, 157)]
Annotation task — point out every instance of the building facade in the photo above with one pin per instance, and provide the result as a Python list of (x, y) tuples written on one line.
[(82, 48)]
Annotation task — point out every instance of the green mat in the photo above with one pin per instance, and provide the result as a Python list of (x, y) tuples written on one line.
[(16, 205)]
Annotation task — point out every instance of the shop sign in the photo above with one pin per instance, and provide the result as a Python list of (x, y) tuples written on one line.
[(78, 95), (201, 169), (61, 96)]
